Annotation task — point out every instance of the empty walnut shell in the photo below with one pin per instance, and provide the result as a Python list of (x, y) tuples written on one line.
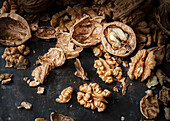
[(59, 117), (14, 29), (118, 38), (87, 32)]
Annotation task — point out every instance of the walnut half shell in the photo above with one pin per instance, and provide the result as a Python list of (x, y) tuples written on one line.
[(118, 38), (14, 29)]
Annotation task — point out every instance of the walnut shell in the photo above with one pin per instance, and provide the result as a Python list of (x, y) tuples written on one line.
[(14, 29), (126, 46), (36, 6), (59, 117), (87, 32)]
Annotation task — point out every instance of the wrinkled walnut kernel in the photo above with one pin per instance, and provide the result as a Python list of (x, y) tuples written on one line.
[(14, 57), (80, 71), (92, 96), (5, 78), (164, 95), (99, 50), (25, 105), (65, 95)]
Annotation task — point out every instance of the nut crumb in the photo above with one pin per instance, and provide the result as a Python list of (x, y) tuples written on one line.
[(125, 63), (40, 90), (5, 78), (33, 51), (25, 105), (115, 89)]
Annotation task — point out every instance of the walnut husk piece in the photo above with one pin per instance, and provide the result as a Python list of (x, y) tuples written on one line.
[(92, 96), (45, 32), (5, 78), (80, 71), (66, 44), (164, 95), (65, 96), (87, 32), (14, 29), (59, 117), (25, 105), (149, 106), (118, 39)]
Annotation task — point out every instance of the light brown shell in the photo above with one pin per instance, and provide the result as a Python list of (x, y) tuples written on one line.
[(14, 29), (122, 51), (87, 32), (45, 32), (59, 117)]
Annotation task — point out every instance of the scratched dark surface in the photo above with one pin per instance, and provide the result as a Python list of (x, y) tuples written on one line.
[(13, 94)]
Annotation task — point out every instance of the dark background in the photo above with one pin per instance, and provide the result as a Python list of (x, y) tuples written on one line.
[(13, 94)]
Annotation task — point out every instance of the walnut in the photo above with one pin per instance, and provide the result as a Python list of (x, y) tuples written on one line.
[(164, 95), (25, 105), (14, 29), (87, 32), (141, 65), (40, 73), (40, 90), (92, 96), (118, 39), (167, 113), (99, 50), (168, 53), (80, 71), (5, 78), (54, 58), (149, 106), (14, 57), (65, 95), (70, 49), (45, 32), (162, 77), (152, 81), (40, 119), (59, 117)]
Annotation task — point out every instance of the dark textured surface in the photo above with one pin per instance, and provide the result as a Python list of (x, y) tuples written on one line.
[(13, 94)]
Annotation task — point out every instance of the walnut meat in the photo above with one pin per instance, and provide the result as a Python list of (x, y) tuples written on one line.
[(25, 105), (92, 96), (14, 29), (54, 58), (5, 78), (149, 106), (141, 65), (14, 57), (80, 71), (65, 43), (99, 50), (59, 117), (164, 95), (65, 95), (87, 32), (118, 39), (40, 90), (45, 32)]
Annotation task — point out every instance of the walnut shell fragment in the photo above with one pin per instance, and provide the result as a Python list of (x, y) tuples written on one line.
[(65, 96), (5, 78), (152, 81), (54, 58), (25, 105), (118, 38), (168, 53), (87, 32), (164, 95), (40, 119), (92, 96), (65, 43), (162, 77), (14, 29), (167, 113), (141, 65), (149, 106), (59, 117), (45, 32), (80, 71)]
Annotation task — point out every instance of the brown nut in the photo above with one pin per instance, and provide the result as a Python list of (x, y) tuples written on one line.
[(118, 39), (14, 29), (65, 96), (25, 105), (59, 117), (164, 95), (99, 50), (87, 32), (45, 32)]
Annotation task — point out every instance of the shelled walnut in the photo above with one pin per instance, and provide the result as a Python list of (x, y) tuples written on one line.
[(65, 43), (99, 50), (80, 71), (65, 96), (54, 58), (149, 106), (14, 57), (45, 32), (5, 78), (59, 117), (141, 65), (92, 96), (118, 39), (164, 95), (25, 105), (87, 32)]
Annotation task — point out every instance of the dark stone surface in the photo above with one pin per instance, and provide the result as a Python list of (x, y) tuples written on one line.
[(13, 94)]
